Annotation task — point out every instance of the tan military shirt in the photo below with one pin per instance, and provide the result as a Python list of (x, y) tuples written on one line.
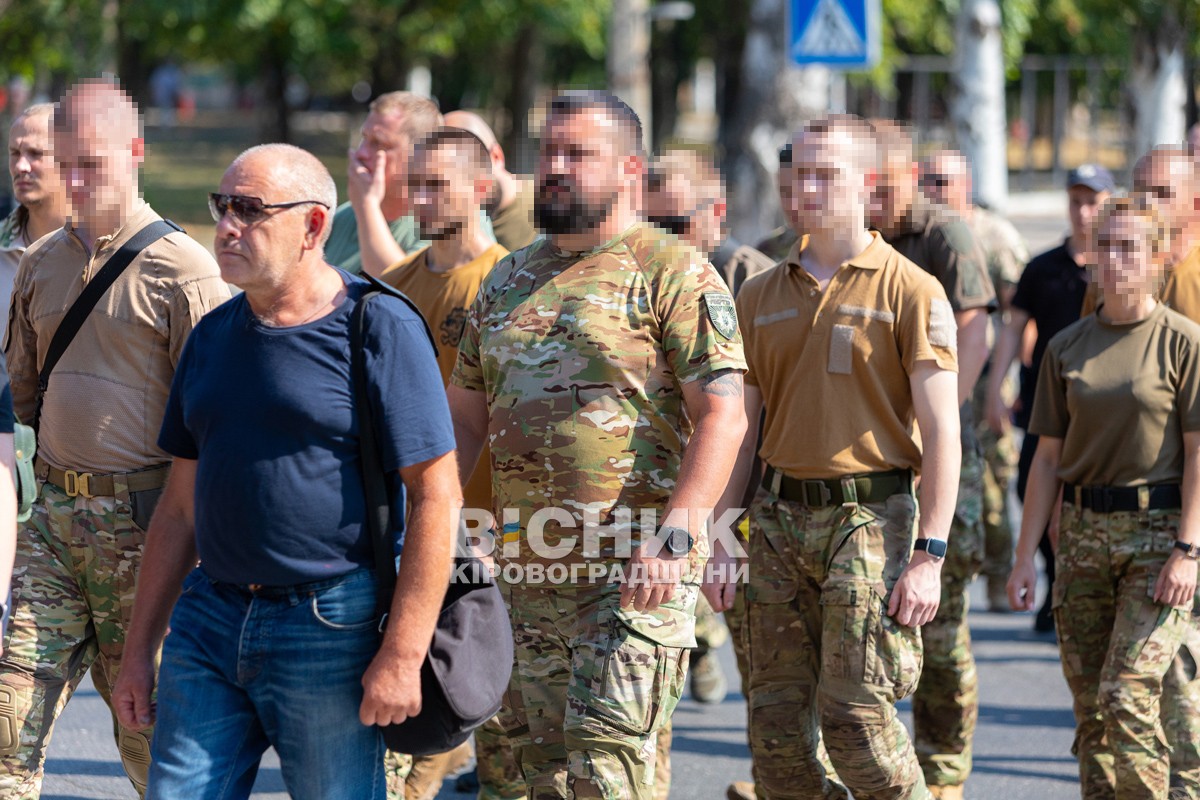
[(106, 398), (939, 242), (1120, 397), (834, 366), (443, 298), (1182, 291), (513, 225), (1002, 246)]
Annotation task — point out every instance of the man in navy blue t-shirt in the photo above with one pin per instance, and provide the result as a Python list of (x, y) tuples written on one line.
[(274, 640)]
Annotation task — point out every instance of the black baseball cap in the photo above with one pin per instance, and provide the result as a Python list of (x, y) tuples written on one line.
[(1093, 176)]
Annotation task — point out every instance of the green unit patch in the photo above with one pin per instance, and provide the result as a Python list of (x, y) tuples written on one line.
[(722, 313)]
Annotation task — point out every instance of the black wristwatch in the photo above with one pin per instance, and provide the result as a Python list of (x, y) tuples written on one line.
[(1192, 551), (936, 548), (677, 541)]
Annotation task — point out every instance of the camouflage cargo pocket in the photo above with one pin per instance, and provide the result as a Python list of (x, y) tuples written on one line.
[(862, 644), (635, 684)]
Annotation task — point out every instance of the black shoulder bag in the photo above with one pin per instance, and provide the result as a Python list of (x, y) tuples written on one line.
[(25, 436), (467, 669)]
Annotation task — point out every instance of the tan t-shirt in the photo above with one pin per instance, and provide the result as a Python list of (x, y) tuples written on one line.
[(1182, 291), (513, 225), (444, 298), (108, 393), (834, 366), (1120, 397)]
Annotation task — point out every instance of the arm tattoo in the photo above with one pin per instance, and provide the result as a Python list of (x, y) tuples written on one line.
[(722, 383)]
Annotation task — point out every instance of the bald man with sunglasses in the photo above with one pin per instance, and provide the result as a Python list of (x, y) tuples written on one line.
[(99, 466)]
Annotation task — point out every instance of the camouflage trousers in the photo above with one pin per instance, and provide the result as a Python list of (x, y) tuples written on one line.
[(1117, 645), (711, 633), (72, 596), (826, 661), (1181, 713), (999, 469), (588, 694), (946, 703), (500, 776)]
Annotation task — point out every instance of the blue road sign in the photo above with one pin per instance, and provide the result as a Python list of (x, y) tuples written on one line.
[(836, 33)]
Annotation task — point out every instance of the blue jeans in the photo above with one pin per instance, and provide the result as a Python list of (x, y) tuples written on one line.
[(242, 672)]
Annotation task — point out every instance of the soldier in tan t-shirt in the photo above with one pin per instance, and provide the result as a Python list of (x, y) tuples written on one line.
[(448, 180), (1117, 412), (849, 345), (99, 465), (510, 202)]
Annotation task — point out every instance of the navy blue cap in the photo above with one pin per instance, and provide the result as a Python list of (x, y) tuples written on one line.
[(1093, 176)]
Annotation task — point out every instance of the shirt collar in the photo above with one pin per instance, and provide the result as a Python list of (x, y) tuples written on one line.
[(872, 257)]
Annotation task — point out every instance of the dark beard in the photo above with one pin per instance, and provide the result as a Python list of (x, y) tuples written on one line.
[(577, 216), (448, 231)]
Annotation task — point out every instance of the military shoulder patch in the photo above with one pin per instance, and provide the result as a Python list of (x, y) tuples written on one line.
[(721, 313)]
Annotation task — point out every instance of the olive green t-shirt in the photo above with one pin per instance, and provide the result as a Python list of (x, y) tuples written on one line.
[(1120, 397)]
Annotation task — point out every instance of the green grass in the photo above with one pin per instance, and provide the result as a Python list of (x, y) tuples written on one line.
[(184, 163)]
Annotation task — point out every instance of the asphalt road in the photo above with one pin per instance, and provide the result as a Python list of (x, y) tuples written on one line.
[(1022, 746)]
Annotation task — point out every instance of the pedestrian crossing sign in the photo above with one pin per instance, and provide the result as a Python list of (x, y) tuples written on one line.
[(835, 33)]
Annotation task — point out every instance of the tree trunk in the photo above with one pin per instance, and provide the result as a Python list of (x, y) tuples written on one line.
[(528, 59), (131, 62), (978, 106), (773, 100), (276, 117), (1158, 85), (629, 58)]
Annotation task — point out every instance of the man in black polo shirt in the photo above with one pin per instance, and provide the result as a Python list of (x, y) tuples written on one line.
[(1050, 293)]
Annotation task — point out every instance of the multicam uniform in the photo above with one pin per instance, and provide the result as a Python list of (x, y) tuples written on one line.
[(834, 525), (1120, 398), (1006, 256), (1181, 688), (443, 298), (100, 469), (582, 357), (946, 703)]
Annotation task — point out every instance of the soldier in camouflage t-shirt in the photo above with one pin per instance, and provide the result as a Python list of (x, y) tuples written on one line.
[(587, 361)]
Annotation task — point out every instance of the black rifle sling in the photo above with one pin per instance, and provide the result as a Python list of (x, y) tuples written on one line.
[(73, 320), (378, 511)]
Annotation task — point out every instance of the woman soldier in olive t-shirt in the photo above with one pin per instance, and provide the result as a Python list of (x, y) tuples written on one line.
[(1116, 409)]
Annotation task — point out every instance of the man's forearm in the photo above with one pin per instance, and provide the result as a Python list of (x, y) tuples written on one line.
[(425, 568), (708, 463), (940, 465), (1006, 350), (377, 247)]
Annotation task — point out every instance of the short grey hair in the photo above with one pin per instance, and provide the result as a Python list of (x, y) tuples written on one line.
[(299, 175)]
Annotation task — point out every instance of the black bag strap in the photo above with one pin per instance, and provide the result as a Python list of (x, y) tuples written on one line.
[(73, 320), (378, 511)]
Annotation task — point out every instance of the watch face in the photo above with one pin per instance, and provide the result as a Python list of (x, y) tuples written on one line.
[(676, 541)]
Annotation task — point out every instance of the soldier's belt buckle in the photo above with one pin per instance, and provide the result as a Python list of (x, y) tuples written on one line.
[(818, 490), (77, 483)]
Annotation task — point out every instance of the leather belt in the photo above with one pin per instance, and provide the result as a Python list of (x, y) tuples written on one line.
[(1107, 499), (89, 484), (870, 487)]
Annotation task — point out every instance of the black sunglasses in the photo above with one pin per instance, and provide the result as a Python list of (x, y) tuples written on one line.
[(247, 210), (676, 225)]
